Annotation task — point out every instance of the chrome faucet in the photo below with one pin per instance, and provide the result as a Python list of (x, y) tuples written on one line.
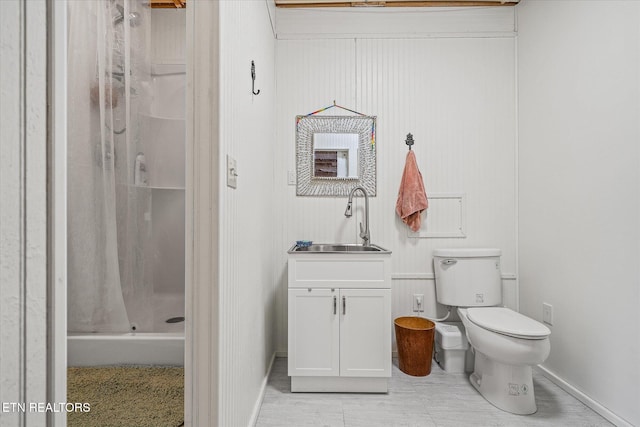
[(364, 234)]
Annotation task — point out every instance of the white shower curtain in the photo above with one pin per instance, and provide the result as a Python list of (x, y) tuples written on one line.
[(104, 253)]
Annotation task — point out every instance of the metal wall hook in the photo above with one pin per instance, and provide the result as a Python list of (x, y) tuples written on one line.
[(253, 79), (409, 141)]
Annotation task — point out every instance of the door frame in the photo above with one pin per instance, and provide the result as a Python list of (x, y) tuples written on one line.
[(202, 212), (202, 216), (57, 208)]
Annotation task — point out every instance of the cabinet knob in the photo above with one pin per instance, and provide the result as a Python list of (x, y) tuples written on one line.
[(344, 305), (335, 304)]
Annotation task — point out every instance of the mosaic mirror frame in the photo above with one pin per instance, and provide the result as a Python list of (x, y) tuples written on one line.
[(307, 184)]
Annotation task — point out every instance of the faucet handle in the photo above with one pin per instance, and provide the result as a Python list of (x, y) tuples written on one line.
[(364, 235)]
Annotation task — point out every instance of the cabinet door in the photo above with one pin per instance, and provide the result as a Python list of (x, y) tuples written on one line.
[(314, 336), (365, 332)]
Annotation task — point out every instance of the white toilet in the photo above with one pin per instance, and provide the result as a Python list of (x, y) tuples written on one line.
[(506, 343)]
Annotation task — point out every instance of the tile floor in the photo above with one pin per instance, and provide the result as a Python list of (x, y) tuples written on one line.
[(439, 399)]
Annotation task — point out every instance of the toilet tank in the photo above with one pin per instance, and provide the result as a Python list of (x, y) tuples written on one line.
[(468, 277)]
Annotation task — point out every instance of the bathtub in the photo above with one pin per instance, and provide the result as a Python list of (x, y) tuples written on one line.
[(166, 349)]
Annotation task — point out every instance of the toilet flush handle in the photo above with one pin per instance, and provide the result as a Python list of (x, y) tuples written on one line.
[(449, 261)]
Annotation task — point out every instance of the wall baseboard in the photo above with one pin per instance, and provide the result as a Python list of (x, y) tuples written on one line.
[(263, 388), (588, 401)]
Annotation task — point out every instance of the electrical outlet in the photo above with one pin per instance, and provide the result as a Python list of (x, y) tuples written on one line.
[(291, 177), (418, 303), (547, 313)]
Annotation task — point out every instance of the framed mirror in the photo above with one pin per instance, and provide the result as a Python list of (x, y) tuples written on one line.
[(334, 154)]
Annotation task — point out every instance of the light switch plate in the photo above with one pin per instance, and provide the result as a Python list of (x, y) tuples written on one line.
[(232, 172)]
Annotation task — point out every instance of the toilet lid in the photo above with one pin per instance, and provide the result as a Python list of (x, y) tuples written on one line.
[(507, 322)]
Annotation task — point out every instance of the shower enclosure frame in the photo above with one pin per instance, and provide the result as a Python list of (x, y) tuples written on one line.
[(202, 212)]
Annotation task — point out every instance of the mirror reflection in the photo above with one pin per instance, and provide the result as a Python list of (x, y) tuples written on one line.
[(335, 155)]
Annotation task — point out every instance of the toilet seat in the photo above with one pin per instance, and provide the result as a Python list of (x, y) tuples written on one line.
[(505, 321)]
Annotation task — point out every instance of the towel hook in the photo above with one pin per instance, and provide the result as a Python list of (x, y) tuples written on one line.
[(253, 79), (409, 141)]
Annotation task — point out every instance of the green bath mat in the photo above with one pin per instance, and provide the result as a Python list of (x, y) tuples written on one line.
[(123, 396)]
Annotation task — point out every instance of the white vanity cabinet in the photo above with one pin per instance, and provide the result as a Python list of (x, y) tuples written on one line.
[(339, 322)]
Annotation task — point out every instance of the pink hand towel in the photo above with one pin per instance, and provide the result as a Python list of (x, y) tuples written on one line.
[(412, 199)]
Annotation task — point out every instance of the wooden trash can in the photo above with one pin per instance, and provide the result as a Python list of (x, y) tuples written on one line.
[(414, 337)]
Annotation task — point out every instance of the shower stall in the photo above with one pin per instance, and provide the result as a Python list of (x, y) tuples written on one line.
[(126, 182)]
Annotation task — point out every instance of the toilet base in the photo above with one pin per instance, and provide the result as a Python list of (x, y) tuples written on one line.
[(507, 387)]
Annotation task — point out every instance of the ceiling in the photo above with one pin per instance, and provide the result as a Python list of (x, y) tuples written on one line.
[(168, 4)]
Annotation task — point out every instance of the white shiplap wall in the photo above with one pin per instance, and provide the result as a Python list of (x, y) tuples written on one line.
[(455, 94), (168, 29), (246, 289)]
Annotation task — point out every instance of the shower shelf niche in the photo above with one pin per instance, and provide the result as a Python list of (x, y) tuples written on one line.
[(163, 144)]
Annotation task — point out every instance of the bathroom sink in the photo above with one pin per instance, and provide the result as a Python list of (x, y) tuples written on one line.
[(338, 248)]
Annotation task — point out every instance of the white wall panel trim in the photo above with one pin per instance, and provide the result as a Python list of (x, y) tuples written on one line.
[(383, 23), (431, 276), (435, 35), (444, 208)]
